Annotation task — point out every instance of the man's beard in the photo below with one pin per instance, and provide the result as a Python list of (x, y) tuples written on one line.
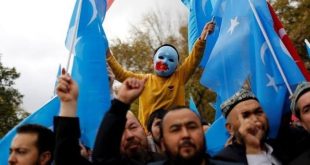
[(138, 153), (178, 159)]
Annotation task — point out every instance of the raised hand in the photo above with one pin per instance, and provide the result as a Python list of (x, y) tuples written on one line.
[(208, 29), (67, 91), (131, 90), (252, 134)]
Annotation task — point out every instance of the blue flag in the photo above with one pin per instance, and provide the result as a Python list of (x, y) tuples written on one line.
[(89, 65), (267, 82), (200, 12), (216, 136), (89, 70), (228, 65), (241, 54)]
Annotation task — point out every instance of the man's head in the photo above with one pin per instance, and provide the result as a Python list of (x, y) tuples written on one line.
[(300, 104), (183, 135), (165, 60), (153, 124), (245, 105), (33, 144), (134, 141)]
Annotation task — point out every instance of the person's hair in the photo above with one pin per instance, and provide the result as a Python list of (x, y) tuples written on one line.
[(167, 45), (175, 108), (157, 114), (297, 113), (45, 140)]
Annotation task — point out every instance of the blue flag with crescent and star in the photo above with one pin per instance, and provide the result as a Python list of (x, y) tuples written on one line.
[(242, 54)]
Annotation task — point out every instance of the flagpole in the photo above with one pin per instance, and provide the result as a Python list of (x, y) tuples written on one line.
[(271, 48), (76, 26), (308, 47)]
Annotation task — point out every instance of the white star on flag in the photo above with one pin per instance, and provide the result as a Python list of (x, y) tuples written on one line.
[(271, 82), (233, 24)]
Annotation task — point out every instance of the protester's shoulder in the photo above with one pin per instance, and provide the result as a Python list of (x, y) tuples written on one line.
[(302, 159), (231, 148), (154, 157), (220, 162), (298, 131), (161, 162), (231, 152), (296, 135)]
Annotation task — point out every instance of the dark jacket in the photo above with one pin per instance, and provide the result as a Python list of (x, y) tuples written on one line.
[(303, 159), (233, 153), (67, 150), (237, 153), (294, 144), (209, 161), (108, 140)]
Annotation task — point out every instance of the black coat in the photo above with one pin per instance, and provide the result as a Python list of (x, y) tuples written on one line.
[(303, 159), (67, 149), (292, 143), (296, 146), (237, 153), (209, 161), (233, 153)]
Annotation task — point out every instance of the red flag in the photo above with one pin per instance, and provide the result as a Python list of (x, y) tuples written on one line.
[(288, 43), (109, 3)]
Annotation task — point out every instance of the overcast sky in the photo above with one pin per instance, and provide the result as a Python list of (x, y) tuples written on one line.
[(32, 35)]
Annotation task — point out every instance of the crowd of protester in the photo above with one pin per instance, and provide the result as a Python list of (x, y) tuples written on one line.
[(169, 133)]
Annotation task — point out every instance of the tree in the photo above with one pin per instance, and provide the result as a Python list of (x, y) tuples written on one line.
[(295, 14), (10, 100), (136, 54)]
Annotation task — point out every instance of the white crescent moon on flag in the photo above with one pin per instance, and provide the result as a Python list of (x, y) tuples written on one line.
[(76, 42), (285, 50), (263, 52), (95, 12)]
